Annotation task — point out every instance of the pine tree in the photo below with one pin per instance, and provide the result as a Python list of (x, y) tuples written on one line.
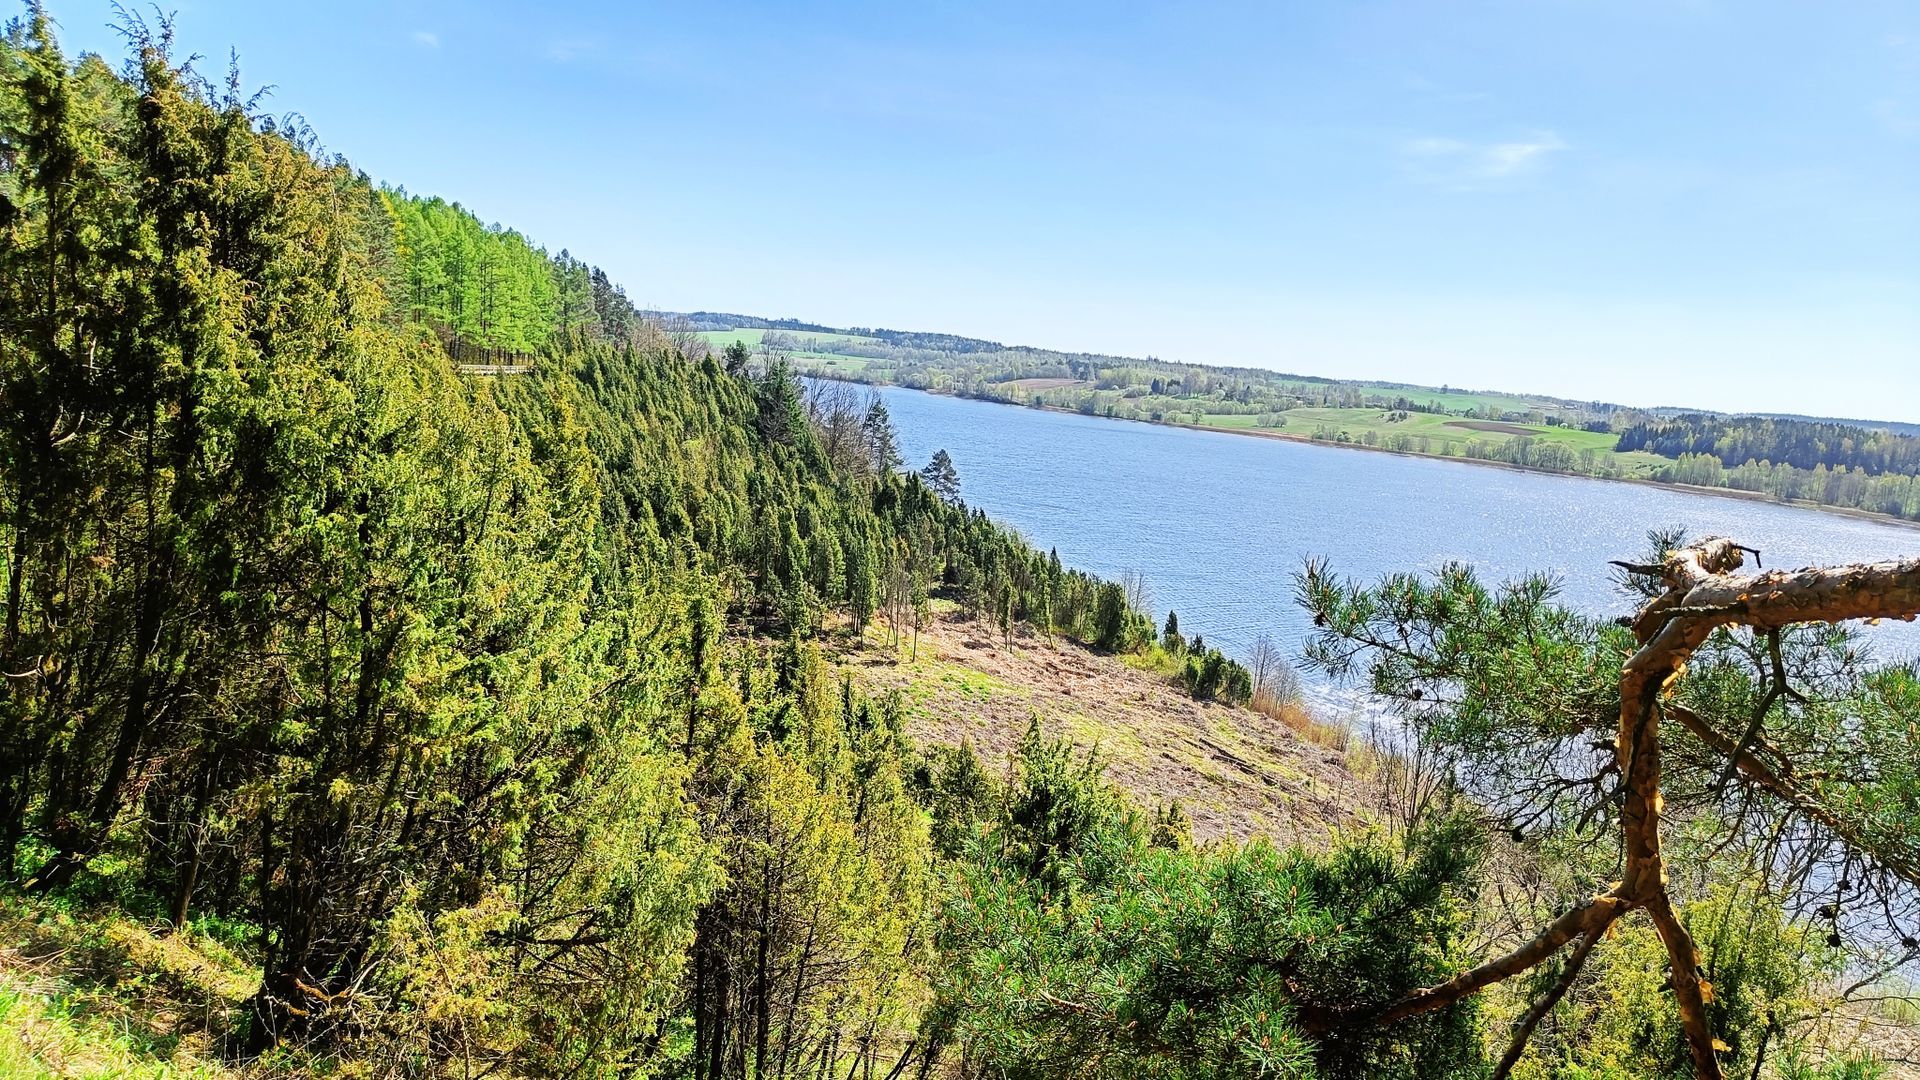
[(877, 428), (941, 477)]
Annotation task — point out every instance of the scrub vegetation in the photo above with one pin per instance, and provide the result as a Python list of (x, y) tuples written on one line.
[(421, 663)]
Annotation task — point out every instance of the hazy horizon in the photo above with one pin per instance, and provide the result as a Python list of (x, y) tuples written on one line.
[(1694, 204)]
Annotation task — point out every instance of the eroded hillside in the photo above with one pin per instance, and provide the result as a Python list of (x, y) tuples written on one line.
[(1237, 773)]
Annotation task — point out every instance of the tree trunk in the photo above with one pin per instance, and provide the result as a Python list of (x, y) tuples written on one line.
[(1702, 595), (189, 874), (762, 996)]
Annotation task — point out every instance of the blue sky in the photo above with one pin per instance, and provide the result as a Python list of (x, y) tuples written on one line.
[(1688, 202)]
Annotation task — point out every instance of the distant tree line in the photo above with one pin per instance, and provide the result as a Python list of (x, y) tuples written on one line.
[(1832, 463), (1803, 444), (1888, 493)]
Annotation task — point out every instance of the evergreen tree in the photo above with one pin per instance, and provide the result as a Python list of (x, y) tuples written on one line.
[(941, 477), (1739, 719), (877, 429)]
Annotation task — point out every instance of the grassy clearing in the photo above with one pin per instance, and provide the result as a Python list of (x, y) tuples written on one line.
[(1156, 660), (975, 685), (86, 994), (1467, 399), (1240, 421), (1438, 429), (720, 339), (1111, 742), (1449, 434), (1027, 386), (42, 1038), (1239, 772), (1438, 434), (1290, 714), (832, 362)]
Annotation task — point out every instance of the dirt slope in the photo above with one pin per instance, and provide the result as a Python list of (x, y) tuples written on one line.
[(1237, 773)]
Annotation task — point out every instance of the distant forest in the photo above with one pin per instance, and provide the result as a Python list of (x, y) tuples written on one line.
[(1803, 444)]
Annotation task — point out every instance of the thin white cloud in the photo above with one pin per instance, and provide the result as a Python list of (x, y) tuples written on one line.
[(567, 50), (1505, 159), (1897, 117), (426, 39), (1431, 146), (1459, 162)]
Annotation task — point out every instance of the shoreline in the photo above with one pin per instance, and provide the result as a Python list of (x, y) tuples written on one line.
[(1283, 436)]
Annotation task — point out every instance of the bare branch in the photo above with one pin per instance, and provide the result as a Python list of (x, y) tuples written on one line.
[(1785, 790), (1524, 1031), (1589, 918), (1776, 688)]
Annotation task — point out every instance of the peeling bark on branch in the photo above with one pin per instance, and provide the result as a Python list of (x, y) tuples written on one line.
[(1592, 917), (1524, 1030), (1703, 593)]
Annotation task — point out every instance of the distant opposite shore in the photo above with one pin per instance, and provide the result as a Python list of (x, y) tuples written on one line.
[(1288, 436)]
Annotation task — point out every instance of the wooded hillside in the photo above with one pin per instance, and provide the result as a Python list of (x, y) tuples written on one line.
[(480, 724)]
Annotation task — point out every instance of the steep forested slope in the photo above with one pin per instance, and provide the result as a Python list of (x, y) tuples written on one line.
[(482, 720), (410, 673)]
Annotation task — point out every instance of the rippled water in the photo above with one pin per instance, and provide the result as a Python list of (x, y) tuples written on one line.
[(1219, 524)]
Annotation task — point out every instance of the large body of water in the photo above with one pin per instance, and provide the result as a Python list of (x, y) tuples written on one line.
[(1219, 524)]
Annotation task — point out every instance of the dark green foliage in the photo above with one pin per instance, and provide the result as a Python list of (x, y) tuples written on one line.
[(1083, 945), (493, 709), (414, 672), (1522, 694), (1803, 444), (941, 477), (1516, 699), (1209, 674), (959, 795), (1117, 627), (1172, 828), (876, 428), (1515, 687)]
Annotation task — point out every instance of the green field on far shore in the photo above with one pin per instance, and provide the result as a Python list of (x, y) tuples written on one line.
[(1411, 432), (1444, 434)]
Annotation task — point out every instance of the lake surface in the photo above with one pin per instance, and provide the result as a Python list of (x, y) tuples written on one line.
[(1218, 524)]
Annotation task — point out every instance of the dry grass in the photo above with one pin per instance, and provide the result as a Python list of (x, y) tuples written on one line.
[(1299, 719), (1237, 772), (39, 1037)]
